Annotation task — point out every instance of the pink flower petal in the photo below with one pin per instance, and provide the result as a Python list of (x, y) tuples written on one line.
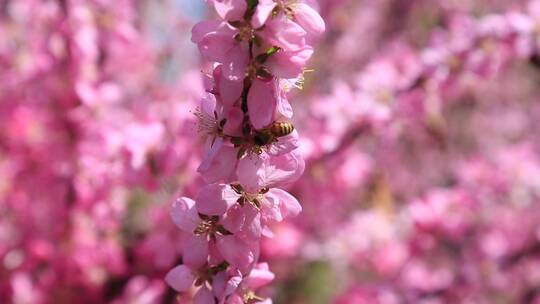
[(251, 172), (259, 276), (236, 252), (285, 34), (218, 285), (234, 219), (284, 169), (202, 28), (218, 164), (233, 283), (235, 63), (309, 19), (262, 13), (288, 204), (257, 171), (235, 119), (285, 144), (270, 209), (225, 284), (284, 107), (262, 102), (204, 296), (230, 91), (196, 251), (235, 299), (251, 228), (230, 10), (289, 64), (180, 278), (214, 257), (184, 214), (214, 46), (208, 104), (216, 199)]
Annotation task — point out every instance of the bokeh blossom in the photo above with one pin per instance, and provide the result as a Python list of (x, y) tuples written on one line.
[(140, 160)]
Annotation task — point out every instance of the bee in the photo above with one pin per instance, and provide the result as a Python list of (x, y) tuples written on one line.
[(272, 133), (280, 129), (261, 138)]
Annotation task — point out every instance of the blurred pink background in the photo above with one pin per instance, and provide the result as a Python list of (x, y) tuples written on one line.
[(419, 125)]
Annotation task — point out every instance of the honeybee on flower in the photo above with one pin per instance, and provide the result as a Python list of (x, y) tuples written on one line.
[(277, 138)]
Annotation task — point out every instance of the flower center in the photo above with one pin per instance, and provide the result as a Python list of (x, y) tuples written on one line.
[(253, 198), (210, 226), (251, 297), (207, 125)]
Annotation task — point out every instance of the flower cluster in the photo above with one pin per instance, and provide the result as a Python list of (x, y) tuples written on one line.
[(426, 170), (84, 145), (258, 51), (420, 136)]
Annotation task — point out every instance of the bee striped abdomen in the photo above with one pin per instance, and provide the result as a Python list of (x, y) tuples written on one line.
[(279, 129)]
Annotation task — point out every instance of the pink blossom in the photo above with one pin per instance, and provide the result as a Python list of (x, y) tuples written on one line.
[(250, 145)]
